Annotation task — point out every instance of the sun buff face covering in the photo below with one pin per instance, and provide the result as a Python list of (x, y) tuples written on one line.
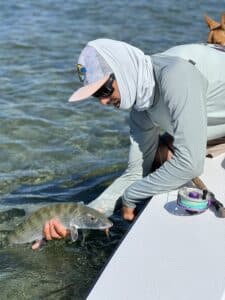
[(133, 70)]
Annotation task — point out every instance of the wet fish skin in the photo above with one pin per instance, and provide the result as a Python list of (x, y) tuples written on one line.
[(72, 216)]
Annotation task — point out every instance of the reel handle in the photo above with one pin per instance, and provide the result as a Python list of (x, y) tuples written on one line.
[(218, 206)]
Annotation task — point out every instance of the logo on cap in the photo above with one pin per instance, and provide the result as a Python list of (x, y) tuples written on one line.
[(81, 70)]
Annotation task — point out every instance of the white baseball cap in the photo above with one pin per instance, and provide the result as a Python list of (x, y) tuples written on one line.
[(93, 71)]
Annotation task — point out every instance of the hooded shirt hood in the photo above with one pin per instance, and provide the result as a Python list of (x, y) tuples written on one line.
[(133, 70)]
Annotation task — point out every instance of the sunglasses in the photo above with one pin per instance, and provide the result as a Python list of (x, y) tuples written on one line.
[(107, 89)]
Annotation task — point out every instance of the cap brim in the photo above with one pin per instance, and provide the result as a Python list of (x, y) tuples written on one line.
[(88, 90)]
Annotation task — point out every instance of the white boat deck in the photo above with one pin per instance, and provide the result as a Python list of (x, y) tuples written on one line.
[(169, 256)]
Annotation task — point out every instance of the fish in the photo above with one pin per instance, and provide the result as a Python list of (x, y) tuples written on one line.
[(73, 216)]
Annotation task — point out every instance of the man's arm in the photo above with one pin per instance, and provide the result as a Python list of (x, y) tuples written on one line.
[(183, 89), (144, 142)]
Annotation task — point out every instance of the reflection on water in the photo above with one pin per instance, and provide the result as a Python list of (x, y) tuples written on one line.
[(52, 150)]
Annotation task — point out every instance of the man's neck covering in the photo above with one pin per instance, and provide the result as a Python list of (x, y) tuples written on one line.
[(133, 70)]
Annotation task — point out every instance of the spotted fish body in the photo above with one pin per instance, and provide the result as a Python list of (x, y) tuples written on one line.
[(71, 215)]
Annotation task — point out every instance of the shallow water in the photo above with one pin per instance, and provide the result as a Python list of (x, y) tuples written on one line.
[(54, 151)]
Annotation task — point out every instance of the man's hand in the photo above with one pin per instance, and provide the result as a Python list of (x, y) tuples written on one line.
[(128, 213), (53, 229)]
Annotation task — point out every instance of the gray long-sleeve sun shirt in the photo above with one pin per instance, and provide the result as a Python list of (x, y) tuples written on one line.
[(189, 104)]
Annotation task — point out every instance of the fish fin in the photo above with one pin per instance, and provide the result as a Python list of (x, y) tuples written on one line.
[(84, 235), (39, 244), (107, 233), (73, 233)]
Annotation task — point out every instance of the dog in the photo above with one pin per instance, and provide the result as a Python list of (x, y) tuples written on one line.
[(217, 30)]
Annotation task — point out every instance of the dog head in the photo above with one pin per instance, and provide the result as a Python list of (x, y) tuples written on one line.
[(217, 31)]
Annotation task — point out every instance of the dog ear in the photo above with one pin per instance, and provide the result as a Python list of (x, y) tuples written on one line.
[(211, 23), (223, 21)]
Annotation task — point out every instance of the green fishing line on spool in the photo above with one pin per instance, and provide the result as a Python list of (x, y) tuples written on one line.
[(192, 199)]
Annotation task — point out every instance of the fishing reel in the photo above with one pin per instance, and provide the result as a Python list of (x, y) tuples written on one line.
[(196, 201)]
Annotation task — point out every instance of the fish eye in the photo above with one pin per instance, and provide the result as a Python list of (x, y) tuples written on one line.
[(92, 218)]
